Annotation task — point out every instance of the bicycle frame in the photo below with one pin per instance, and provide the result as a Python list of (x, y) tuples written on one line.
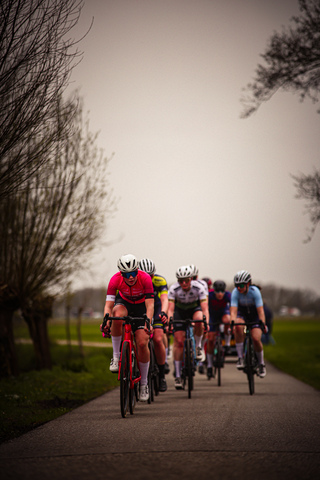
[(126, 369), (250, 360), (218, 354), (188, 358)]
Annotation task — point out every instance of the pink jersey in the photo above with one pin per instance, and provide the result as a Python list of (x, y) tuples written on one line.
[(142, 289)]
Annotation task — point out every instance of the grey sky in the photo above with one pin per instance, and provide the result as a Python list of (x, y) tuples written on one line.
[(162, 80)]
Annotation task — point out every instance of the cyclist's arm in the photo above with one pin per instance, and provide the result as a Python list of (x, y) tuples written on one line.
[(108, 307), (164, 302), (205, 309), (149, 307), (233, 313), (261, 314), (171, 304)]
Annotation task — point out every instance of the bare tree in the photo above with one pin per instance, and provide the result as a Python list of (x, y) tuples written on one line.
[(308, 188), (49, 227), (292, 63), (36, 60)]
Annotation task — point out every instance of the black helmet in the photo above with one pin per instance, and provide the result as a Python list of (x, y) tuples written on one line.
[(219, 286)]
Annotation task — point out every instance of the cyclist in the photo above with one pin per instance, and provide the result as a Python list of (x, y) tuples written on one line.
[(130, 292), (195, 275), (208, 282), (160, 318), (219, 303), (247, 305), (187, 299)]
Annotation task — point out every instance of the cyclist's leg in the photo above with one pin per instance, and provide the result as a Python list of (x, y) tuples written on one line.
[(198, 333), (159, 348), (256, 334), (227, 335), (239, 336), (119, 310)]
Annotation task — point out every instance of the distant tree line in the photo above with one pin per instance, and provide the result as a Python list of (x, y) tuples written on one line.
[(92, 300)]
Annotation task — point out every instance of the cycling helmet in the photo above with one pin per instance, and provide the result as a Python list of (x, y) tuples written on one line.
[(194, 270), (208, 281), (147, 266), (242, 277), (184, 272), (219, 286), (128, 263)]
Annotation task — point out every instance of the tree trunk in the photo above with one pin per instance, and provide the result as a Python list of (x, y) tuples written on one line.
[(80, 310), (8, 358), (37, 315)]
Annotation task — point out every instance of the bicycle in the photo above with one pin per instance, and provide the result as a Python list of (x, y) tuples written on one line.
[(249, 356), (218, 356), (153, 373), (129, 373), (189, 361)]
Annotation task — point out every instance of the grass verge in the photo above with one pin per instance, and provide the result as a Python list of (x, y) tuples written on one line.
[(296, 351), (35, 397)]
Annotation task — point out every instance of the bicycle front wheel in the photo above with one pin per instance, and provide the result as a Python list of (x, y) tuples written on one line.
[(249, 363), (151, 372), (133, 397), (124, 378), (218, 360), (189, 366)]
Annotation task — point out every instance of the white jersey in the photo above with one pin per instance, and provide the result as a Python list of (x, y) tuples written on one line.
[(187, 299), (205, 285)]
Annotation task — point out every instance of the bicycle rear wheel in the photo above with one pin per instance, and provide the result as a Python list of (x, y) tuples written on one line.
[(189, 366), (124, 379), (249, 363), (218, 360)]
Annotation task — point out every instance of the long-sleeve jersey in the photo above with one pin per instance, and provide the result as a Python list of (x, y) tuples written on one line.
[(137, 293)]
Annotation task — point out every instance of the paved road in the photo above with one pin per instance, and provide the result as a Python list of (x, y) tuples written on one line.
[(221, 433)]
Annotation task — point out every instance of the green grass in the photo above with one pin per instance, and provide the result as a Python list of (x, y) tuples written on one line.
[(296, 351), (35, 397)]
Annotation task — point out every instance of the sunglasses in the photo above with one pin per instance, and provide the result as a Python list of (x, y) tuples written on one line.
[(186, 280), (241, 285), (130, 274), (219, 290)]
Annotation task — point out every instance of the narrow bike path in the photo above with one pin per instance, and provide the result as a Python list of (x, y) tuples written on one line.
[(221, 432)]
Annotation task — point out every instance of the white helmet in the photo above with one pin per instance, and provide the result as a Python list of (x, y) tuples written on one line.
[(184, 272), (147, 266), (242, 277), (194, 269), (128, 263)]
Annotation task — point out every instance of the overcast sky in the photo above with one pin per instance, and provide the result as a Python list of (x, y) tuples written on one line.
[(162, 81)]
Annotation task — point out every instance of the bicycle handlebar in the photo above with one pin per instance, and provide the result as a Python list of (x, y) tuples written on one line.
[(189, 321), (262, 325), (126, 319)]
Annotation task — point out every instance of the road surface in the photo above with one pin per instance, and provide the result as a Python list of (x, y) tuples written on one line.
[(220, 433)]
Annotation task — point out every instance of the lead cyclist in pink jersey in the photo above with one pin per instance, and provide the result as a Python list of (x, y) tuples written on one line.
[(130, 292)]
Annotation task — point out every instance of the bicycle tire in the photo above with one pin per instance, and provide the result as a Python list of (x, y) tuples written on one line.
[(124, 379), (151, 373), (249, 362), (133, 392), (219, 359), (189, 369)]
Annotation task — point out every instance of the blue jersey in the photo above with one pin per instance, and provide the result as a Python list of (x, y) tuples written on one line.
[(247, 303)]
